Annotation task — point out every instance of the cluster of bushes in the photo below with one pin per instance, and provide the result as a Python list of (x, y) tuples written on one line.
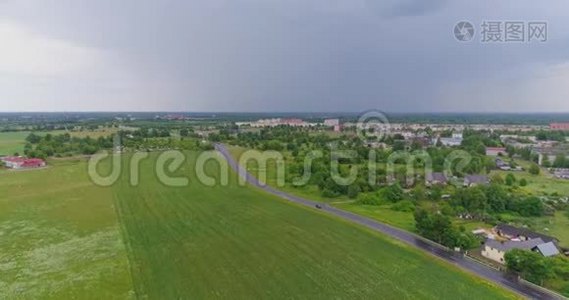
[(438, 227), (538, 269), (152, 133), (481, 202), (63, 145), (152, 139), (389, 194), (494, 199)]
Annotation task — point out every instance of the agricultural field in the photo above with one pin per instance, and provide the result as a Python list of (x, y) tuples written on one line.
[(63, 237), (239, 242), (60, 237), (12, 142)]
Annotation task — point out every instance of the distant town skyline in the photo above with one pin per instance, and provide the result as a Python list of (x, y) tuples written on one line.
[(283, 56)]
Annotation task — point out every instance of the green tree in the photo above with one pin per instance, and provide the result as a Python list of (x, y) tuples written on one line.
[(496, 197), (419, 193), (511, 151), (393, 192), (435, 193), (353, 191), (33, 138), (523, 182), (534, 169), (497, 179), (473, 200), (530, 265), (510, 179), (560, 161), (404, 206), (369, 199), (530, 207)]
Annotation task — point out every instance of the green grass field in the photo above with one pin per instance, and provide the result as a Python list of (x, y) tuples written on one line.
[(12, 142), (63, 237), (238, 242), (60, 237), (539, 184)]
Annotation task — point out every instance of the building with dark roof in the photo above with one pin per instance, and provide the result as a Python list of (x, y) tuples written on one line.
[(547, 249), (474, 180), (436, 179), (495, 151), (524, 234), (495, 250)]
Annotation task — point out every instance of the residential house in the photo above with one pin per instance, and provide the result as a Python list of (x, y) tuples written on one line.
[(495, 151), (423, 141), (18, 162), (502, 165), (561, 173), (524, 234), (331, 122), (449, 142), (495, 250), (559, 126), (457, 136), (475, 180), (547, 249), (436, 179)]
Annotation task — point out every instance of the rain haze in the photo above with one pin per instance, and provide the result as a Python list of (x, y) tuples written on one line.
[(259, 55)]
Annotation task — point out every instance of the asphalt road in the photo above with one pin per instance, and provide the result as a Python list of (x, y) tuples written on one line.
[(402, 235)]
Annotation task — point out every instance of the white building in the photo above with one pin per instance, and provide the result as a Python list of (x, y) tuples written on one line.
[(331, 122), (449, 142), (495, 250)]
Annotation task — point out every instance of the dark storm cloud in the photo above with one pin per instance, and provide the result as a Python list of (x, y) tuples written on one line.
[(403, 8), (249, 55)]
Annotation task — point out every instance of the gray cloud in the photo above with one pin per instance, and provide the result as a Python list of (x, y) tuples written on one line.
[(251, 55), (404, 8)]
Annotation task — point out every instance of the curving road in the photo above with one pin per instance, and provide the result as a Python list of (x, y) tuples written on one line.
[(402, 235)]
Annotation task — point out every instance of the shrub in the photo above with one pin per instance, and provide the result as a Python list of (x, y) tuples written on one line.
[(404, 206), (369, 199), (393, 193), (534, 169), (353, 191), (510, 179)]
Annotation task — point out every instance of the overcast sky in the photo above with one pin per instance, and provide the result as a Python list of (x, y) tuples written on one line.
[(278, 55)]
